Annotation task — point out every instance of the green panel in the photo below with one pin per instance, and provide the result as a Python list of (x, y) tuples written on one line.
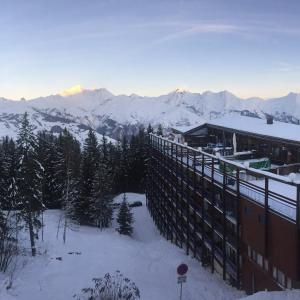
[(261, 164)]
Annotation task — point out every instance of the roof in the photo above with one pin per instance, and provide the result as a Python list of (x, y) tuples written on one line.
[(256, 126), (183, 128)]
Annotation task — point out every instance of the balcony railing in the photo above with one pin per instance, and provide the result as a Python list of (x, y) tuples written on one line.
[(274, 192)]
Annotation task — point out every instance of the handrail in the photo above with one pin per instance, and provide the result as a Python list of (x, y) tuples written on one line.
[(247, 189), (250, 170)]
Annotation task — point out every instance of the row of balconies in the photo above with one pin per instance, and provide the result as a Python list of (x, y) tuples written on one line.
[(177, 214)]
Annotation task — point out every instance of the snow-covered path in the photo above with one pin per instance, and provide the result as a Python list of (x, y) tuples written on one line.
[(146, 258)]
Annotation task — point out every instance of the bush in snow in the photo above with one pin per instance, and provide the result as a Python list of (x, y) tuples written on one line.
[(125, 218), (111, 287), (8, 243)]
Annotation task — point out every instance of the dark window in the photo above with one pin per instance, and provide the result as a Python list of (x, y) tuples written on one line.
[(261, 219), (247, 210)]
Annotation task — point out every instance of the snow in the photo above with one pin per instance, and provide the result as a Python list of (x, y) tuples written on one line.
[(287, 295), (9, 126), (146, 258), (259, 126), (100, 108)]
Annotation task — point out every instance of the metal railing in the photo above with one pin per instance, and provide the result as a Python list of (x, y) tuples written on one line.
[(276, 193)]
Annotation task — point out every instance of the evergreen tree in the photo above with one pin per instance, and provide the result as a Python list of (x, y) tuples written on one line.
[(89, 166), (149, 128), (122, 171), (3, 179), (125, 218), (67, 173), (28, 179), (159, 130), (10, 171), (102, 188), (47, 152)]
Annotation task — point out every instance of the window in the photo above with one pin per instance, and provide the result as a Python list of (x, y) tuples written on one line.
[(254, 255), (249, 251), (289, 283), (280, 278), (266, 263), (259, 259), (261, 219)]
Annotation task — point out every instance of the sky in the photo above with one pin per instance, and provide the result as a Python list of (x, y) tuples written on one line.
[(248, 47)]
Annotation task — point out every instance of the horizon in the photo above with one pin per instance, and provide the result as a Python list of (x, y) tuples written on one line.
[(149, 48), (78, 89)]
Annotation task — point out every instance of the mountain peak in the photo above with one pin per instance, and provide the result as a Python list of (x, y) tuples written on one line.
[(180, 91), (76, 89)]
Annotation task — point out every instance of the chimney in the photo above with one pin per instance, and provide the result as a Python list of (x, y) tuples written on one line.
[(270, 119)]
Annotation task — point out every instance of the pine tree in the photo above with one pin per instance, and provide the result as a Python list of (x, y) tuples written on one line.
[(67, 173), (28, 179), (89, 165), (149, 128), (3, 179), (125, 218), (102, 188), (159, 130), (10, 171), (47, 152), (122, 172)]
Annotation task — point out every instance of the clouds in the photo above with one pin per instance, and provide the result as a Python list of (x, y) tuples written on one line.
[(204, 28)]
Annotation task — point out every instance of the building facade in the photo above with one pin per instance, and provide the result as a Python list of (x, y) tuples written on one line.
[(240, 222)]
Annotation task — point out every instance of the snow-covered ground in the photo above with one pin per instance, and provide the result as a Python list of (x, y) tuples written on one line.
[(284, 295), (146, 258)]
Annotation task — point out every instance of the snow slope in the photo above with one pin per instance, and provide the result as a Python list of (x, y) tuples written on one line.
[(146, 258), (287, 295), (115, 114)]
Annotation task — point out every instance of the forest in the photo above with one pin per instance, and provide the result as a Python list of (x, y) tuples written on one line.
[(43, 171)]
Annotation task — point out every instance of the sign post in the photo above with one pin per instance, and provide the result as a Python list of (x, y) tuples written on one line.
[(181, 271)]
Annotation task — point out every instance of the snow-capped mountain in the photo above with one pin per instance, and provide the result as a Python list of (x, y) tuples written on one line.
[(79, 109)]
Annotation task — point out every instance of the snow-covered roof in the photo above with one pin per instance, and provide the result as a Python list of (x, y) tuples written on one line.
[(280, 130), (184, 128)]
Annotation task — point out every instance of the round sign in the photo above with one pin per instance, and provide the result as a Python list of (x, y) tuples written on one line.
[(182, 269)]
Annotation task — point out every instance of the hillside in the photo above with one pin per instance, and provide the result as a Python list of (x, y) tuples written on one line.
[(114, 115)]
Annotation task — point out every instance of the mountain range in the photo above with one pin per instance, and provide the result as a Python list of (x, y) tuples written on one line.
[(79, 109)]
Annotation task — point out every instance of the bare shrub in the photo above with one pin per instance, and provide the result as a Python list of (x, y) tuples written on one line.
[(110, 287)]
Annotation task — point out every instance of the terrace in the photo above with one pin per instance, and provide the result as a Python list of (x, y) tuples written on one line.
[(244, 174)]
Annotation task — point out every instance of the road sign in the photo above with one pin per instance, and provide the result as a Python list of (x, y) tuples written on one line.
[(182, 269), (181, 279)]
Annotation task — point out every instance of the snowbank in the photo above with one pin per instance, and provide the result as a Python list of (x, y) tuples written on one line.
[(287, 295), (146, 258)]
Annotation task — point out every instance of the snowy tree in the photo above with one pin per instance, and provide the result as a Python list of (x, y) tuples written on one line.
[(149, 128), (67, 160), (159, 130), (28, 179), (138, 151), (102, 187), (125, 218), (9, 173), (89, 165), (47, 153)]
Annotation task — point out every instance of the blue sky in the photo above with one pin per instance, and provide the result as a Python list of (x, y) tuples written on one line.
[(249, 47)]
